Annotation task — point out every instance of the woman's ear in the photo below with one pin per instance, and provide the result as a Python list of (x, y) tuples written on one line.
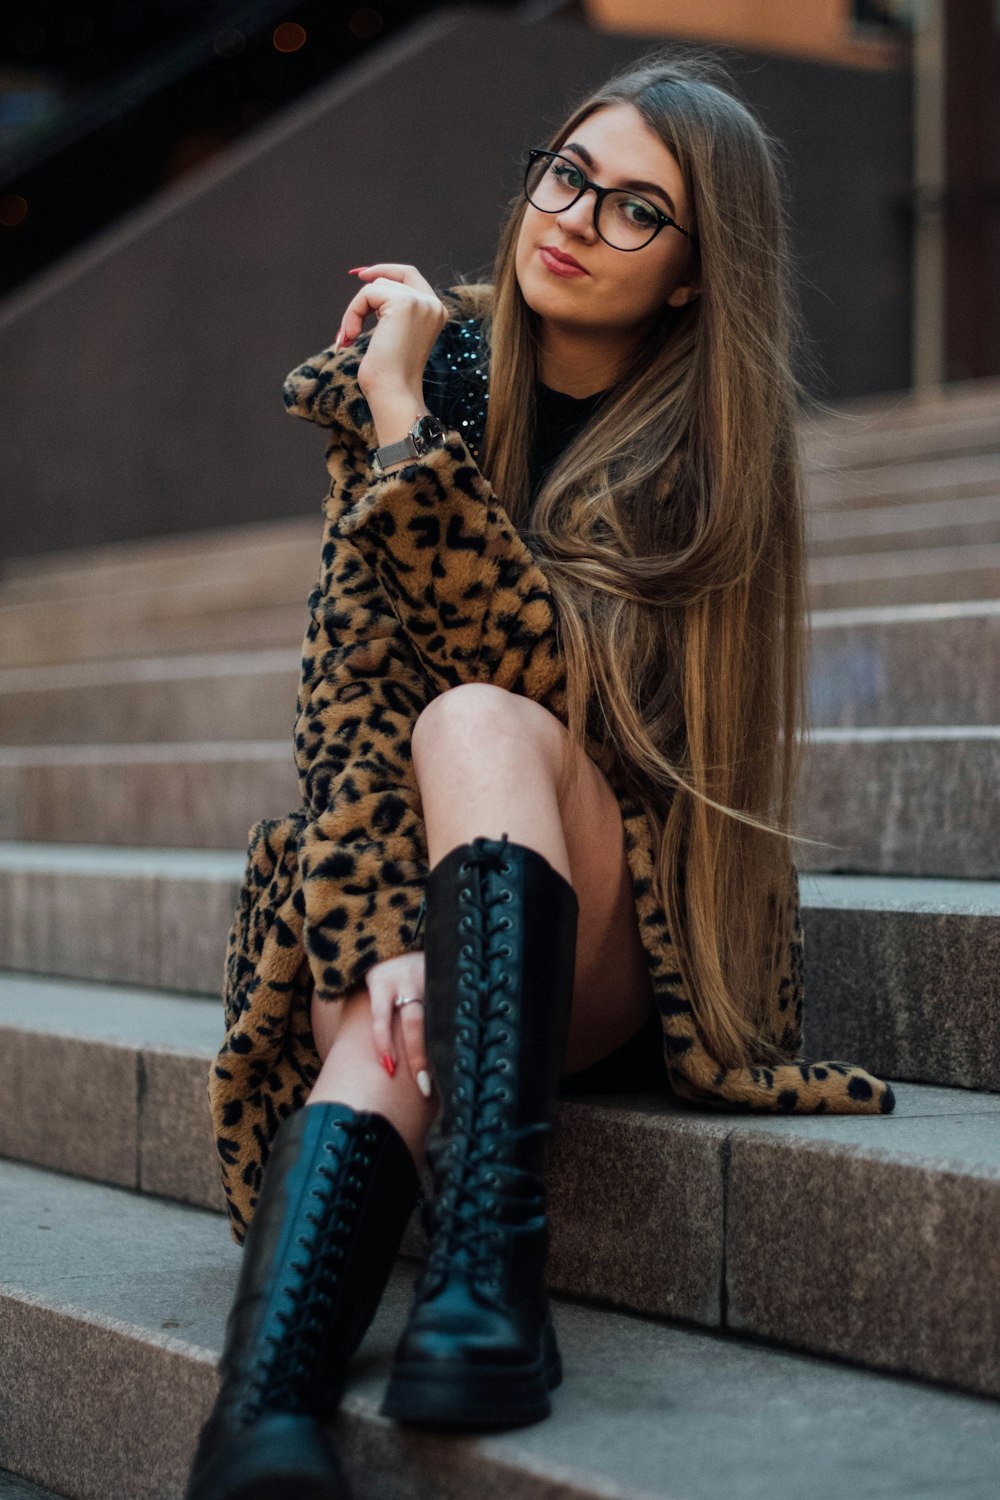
[(686, 292)]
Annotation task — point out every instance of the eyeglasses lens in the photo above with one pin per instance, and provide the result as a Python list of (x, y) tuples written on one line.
[(552, 183)]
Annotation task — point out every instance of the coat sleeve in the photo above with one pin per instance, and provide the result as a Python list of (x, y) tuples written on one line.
[(474, 604)]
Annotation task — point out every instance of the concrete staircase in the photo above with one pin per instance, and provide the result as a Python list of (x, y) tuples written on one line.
[(782, 1307)]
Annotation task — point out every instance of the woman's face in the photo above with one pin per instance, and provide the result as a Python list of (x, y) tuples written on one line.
[(623, 288)]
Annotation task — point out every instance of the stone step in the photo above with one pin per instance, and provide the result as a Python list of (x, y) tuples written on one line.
[(13, 1487), (963, 418), (154, 917), (902, 801), (907, 664), (944, 480), (226, 615), (108, 1082), (289, 546), (128, 1326), (135, 1319), (137, 699), (839, 531), (906, 801), (921, 575), (890, 665), (254, 595), (214, 613), (899, 972)]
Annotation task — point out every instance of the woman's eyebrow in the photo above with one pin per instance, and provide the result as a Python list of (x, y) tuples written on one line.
[(631, 182)]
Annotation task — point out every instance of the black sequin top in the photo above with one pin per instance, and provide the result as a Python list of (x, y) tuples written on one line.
[(456, 389)]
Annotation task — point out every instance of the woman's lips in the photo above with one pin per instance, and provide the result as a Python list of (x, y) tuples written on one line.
[(560, 267)]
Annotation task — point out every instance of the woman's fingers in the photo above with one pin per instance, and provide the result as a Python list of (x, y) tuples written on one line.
[(397, 271), (385, 283), (403, 975), (411, 1021), (382, 996), (370, 299)]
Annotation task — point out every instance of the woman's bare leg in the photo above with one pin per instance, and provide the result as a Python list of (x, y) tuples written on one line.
[(351, 1074), (487, 762)]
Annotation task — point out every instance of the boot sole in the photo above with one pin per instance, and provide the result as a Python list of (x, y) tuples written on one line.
[(460, 1394)]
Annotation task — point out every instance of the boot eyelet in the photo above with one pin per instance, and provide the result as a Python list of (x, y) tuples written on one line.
[(506, 950), (465, 894), (502, 1094), (506, 923), (503, 1066), (504, 1007), (466, 950), (506, 895)]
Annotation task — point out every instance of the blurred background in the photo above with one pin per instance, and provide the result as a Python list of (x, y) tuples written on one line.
[(183, 185)]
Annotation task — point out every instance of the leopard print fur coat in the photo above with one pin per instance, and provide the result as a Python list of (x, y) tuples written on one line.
[(424, 583)]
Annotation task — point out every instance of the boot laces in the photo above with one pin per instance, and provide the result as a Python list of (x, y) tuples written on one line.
[(473, 1177), (282, 1373)]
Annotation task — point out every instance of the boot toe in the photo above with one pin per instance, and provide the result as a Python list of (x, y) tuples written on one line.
[(282, 1456), (458, 1326)]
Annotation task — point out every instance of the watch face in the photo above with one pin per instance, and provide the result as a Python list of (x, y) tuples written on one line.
[(427, 429)]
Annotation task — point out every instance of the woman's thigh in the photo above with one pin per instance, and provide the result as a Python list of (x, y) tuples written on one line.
[(612, 988)]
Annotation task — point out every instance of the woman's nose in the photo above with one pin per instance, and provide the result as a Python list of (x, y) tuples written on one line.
[(579, 216)]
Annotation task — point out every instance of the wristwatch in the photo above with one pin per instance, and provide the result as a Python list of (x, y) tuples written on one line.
[(425, 433)]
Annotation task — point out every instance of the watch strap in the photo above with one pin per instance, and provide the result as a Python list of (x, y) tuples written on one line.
[(421, 436)]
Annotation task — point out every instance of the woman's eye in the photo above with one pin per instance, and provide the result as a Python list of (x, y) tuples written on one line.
[(642, 215)]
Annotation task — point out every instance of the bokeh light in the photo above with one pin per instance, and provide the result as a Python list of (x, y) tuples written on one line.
[(365, 22), (13, 210), (288, 37)]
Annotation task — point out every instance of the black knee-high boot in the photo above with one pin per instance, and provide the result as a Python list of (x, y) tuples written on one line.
[(337, 1191), (479, 1349)]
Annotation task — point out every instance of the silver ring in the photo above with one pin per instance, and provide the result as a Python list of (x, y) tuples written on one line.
[(406, 1000)]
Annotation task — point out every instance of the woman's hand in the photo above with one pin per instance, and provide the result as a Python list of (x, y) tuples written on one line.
[(403, 975), (410, 318)]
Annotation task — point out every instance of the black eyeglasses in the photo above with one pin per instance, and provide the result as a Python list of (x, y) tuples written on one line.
[(623, 219)]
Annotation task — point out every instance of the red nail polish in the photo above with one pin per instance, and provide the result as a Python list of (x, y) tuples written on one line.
[(354, 269), (388, 1064)]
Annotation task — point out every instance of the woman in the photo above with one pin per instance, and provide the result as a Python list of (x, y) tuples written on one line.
[(570, 719)]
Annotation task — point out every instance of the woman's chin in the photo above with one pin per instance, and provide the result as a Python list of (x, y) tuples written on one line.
[(545, 292)]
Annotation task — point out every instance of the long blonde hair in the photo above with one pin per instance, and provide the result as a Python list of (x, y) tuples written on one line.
[(671, 533)]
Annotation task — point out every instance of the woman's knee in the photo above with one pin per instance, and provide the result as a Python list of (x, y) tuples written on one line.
[(480, 711)]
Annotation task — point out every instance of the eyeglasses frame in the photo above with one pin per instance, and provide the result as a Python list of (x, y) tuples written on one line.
[(600, 193)]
